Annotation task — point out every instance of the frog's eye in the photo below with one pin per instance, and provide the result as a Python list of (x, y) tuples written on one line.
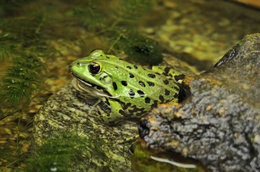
[(94, 68)]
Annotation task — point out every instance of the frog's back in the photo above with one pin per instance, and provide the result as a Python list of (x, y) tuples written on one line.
[(140, 86)]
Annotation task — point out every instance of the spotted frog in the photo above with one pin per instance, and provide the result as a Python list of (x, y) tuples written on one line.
[(128, 90)]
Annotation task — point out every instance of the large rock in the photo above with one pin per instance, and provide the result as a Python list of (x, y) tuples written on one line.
[(106, 148), (218, 124)]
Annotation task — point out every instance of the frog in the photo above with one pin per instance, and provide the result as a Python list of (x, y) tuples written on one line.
[(128, 90)]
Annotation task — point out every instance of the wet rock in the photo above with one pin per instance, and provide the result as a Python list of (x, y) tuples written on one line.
[(218, 124), (68, 112)]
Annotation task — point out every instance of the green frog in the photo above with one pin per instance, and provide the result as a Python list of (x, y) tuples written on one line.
[(128, 90)]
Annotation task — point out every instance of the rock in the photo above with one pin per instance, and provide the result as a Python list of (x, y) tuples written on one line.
[(250, 2), (67, 112), (218, 125)]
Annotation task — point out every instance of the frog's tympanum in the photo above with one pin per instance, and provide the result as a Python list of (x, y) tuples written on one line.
[(129, 90)]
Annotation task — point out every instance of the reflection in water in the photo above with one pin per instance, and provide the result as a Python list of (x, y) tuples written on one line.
[(173, 162)]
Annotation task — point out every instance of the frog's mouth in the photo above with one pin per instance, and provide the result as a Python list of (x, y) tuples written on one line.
[(90, 88)]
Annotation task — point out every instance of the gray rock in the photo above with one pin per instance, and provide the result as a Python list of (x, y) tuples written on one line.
[(218, 124)]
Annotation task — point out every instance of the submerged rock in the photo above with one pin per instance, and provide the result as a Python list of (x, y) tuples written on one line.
[(218, 125)]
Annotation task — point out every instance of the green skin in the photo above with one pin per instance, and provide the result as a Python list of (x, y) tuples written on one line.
[(129, 90)]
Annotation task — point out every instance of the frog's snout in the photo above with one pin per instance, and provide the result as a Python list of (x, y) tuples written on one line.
[(75, 63)]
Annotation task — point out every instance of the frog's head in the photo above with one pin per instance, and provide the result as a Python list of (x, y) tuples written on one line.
[(90, 74)]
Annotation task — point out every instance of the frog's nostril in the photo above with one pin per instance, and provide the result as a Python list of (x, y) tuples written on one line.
[(78, 63)]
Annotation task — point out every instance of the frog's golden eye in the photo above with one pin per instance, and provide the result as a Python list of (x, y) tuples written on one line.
[(94, 68)]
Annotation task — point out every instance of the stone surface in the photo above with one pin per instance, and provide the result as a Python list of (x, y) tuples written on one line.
[(66, 111), (219, 124)]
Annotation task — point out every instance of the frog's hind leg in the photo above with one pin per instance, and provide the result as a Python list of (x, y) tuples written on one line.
[(169, 72)]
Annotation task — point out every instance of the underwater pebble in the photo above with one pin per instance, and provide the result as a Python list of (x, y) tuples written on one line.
[(169, 4), (7, 131), (188, 49), (224, 22)]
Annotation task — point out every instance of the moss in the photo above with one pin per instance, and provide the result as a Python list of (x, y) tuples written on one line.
[(117, 21), (143, 49), (23, 46), (59, 153)]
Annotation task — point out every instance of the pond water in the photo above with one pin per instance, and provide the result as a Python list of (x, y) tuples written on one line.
[(39, 39)]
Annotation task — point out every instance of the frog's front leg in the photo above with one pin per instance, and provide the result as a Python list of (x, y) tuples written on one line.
[(116, 113)]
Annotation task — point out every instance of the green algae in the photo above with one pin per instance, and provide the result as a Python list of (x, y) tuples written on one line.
[(59, 152)]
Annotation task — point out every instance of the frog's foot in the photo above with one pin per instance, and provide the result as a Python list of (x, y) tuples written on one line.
[(129, 139)]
